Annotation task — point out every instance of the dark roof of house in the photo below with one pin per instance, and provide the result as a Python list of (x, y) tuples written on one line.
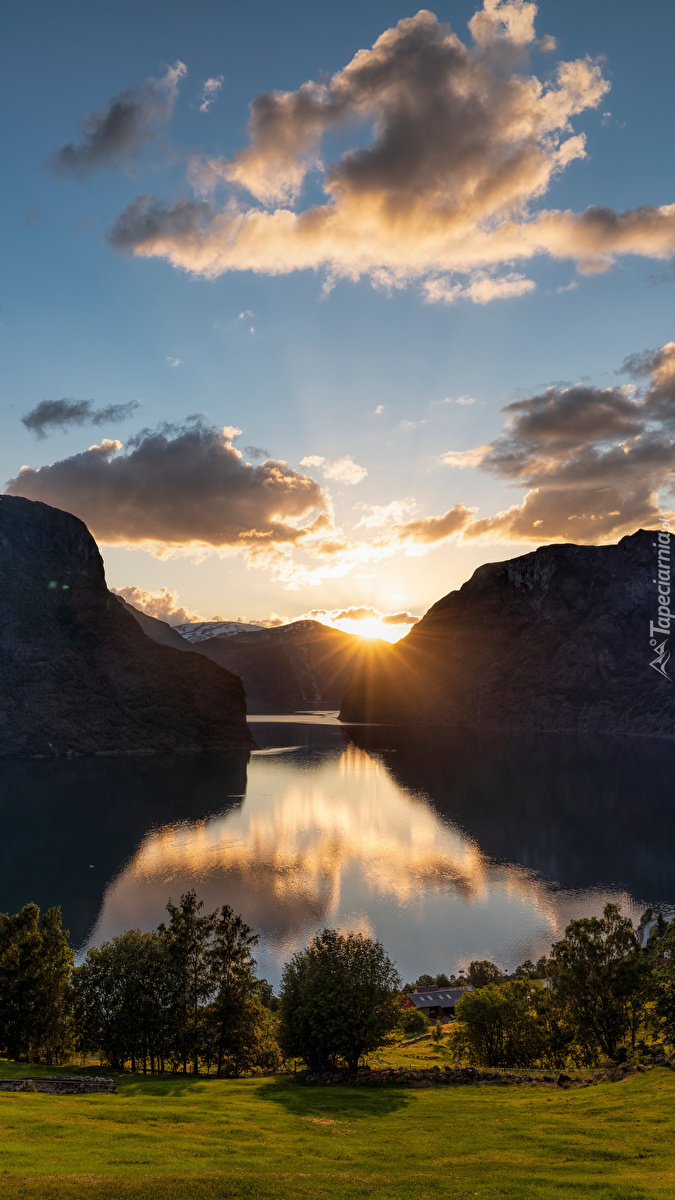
[(435, 997)]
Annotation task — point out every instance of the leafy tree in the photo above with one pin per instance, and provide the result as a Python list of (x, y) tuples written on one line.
[(601, 979), (442, 981), (558, 1036), (495, 1026), (664, 980), (437, 1033), (123, 1001), (35, 967), (425, 981), (413, 1022), (530, 970), (237, 1010), (338, 1000), (187, 939), (483, 972)]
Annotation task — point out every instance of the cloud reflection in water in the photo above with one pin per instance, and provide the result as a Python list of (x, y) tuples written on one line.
[(330, 838)]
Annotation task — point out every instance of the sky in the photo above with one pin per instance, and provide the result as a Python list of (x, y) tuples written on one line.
[(316, 308)]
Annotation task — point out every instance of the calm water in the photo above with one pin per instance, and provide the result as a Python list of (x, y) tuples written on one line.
[(446, 848)]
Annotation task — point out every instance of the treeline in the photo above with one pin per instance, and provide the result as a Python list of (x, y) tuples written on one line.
[(185, 997), (599, 996)]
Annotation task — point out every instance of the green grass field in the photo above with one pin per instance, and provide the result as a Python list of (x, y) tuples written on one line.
[(197, 1139)]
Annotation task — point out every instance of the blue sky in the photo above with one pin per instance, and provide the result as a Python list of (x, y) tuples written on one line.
[(301, 369)]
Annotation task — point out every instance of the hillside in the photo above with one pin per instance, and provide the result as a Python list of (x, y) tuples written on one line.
[(284, 668), (556, 640), (77, 673)]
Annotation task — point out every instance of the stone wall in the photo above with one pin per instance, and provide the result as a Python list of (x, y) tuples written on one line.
[(60, 1085)]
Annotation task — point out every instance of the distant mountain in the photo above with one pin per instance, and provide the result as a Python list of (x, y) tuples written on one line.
[(201, 631), (159, 631), (77, 673), (558, 639), (290, 666)]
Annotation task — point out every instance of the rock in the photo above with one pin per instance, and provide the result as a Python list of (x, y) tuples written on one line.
[(77, 673), (554, 640), (563, 1079), (60, 1085)]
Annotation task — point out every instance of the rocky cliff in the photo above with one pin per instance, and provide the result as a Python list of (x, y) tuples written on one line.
[(286, 668), (77, 673), (554, 640)]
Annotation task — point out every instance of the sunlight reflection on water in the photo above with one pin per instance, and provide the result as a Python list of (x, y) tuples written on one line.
[(327, 835)]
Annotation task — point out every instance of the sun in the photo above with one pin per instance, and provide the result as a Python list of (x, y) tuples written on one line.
[(371, 627)]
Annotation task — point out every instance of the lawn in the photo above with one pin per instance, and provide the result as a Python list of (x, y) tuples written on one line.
[(198, 1139)]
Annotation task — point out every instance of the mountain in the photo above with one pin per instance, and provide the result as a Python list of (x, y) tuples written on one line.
[(201, 631), (558, 639), (77, 673), (290, 666), (159, 631)]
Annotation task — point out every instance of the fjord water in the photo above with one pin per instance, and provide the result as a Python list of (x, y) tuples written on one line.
[(446, 847)]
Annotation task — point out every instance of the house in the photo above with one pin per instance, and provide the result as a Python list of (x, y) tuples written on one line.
[(435, 1002)]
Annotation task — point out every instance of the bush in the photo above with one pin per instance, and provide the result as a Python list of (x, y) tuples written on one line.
[(495, 1027), (413, 1022)]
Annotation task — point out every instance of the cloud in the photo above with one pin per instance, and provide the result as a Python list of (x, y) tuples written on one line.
[(60, 414), (113, 135), (483, 288), (465, 141), (210, 89), (341, 470), (173, 362), (162, 604), (257, 452), (424, 531), (359, 613), (597, 462), (400, 618), (379, 515), (379, 410), (464, 458), (181, 486)]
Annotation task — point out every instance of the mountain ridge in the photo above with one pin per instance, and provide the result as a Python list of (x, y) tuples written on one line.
[(553, 640), (77, 673)]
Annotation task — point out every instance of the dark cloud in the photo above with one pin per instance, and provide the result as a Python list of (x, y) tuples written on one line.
[(599, 462), (257, 452), (178, 486), (113, 134), (60, 414)]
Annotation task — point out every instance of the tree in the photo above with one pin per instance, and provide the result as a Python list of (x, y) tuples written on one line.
[(530, 970), (558, 1036), (437, 1033), (35, 968), (482, 972), (601, 979), (664, 981), (237, 1012), (123, 1001), (495, 1026), (338, 1000), (187, 939), (413, 1021)]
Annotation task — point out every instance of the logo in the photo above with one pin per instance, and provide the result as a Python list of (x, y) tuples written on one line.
[(662, 656), (660, 628)]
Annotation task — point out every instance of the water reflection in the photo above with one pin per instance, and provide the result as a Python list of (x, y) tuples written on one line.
[(481, 847), (335, 836)]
